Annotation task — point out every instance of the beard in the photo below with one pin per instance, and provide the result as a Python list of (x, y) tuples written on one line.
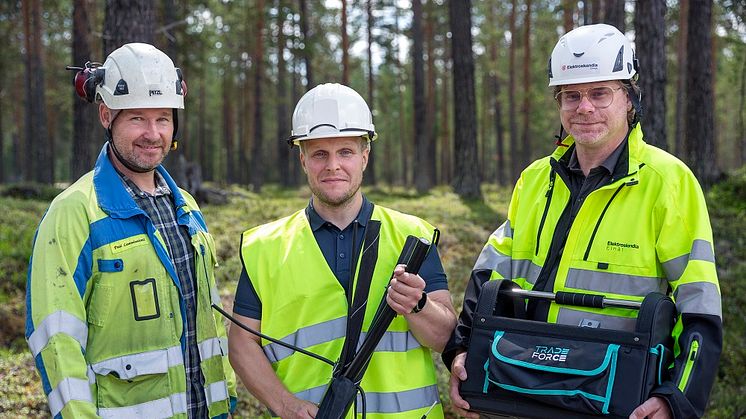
[(336, 201)]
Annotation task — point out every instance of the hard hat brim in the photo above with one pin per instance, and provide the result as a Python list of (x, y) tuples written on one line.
[(581, 80), (340, 134)]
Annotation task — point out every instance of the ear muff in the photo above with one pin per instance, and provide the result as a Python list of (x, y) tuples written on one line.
[(86, 79)]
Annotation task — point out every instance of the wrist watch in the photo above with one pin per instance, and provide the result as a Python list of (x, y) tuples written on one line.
[(420, 304)]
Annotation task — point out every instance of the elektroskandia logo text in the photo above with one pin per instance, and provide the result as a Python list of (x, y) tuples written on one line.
[(550, 353), (589, 66)]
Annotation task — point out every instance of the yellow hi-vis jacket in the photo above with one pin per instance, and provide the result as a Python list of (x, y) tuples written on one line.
[(647, 230), (304, 304), (104, 312)]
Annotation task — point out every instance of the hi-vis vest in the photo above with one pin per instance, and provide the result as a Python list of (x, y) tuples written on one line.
[(105, 318), (646, 231), (304, 304)]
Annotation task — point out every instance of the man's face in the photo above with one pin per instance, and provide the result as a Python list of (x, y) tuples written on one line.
[(594, 127), (142, 136), (334, 168)]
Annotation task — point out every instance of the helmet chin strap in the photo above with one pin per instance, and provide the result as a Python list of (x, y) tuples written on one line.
[(119, 157)]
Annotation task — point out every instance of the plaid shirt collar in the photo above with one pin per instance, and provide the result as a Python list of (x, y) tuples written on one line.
[(161, 187)]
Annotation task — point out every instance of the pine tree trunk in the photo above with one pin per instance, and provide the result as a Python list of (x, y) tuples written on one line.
[(650, 43), (701, 155), (422, 177), (228, 127), (84, 114), (515, 154), (568, 8), (494, 83), (614, 13), (257, 151), (307, 45), (371, 171), (432, 144), (128, 21), (526, 109), (466, 182), (283, 126), (741, 142), (596, 10), (345, 46), (445, 132), (39, 159), (679, 147)]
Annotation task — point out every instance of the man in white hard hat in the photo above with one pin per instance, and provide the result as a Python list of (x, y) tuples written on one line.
[(300, 274), (609, 214), (121, 276)]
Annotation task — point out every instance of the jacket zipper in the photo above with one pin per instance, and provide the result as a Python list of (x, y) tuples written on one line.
[(686, 373), (601, 217), (548, 195)]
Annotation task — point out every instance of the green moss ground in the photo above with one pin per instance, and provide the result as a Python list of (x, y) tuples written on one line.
[(464, 226)]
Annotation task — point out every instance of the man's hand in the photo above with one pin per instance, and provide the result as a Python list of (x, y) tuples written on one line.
[(653, 408), (458, 374), (405, 290), (295, 408)]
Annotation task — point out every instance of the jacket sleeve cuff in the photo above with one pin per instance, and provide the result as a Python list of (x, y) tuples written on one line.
[(677, 402)]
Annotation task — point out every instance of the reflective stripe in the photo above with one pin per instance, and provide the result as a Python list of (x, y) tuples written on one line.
[(129, 366), (91, 375), (614, 283), (698, 297), (58, 322), (574, 317), (701, 250), (504, 231), (402, 401), (216, 392), (68, 390), (312, 395), (524, 268), (383, 402), (306, 337), (161, 408), (394, 342), (491, 259), (336, 329), (210, 348)]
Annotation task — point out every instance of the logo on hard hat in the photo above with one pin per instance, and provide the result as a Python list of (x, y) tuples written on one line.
[(589, 66)]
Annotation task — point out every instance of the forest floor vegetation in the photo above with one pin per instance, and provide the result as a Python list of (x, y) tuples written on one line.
[(465, 226)]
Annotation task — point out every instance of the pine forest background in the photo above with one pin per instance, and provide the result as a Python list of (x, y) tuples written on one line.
[(247, 62), (459, 95)]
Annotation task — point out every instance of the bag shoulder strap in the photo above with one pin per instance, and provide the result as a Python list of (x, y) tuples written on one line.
[(356, 310), (492, 303)]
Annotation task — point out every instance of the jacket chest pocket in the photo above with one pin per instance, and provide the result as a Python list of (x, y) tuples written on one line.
[(126, 291)]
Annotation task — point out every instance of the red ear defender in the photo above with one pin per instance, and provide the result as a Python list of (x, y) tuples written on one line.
[(86, 79)]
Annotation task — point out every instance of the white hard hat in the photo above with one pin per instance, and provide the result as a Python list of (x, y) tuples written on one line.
[(331, 110), (141, 76), (592, 53)]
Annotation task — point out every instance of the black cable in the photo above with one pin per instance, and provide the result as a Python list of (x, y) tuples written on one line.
[(362, 400), (271, 339)]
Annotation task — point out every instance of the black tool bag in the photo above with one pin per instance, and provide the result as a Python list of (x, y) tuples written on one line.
[(525, 368)]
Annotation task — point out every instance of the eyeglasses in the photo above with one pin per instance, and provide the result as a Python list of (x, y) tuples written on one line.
[(600, 97)]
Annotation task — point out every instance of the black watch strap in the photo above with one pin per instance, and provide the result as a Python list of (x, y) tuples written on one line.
[(420, 304)]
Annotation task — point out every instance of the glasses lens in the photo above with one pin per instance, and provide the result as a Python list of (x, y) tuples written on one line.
[(600, 97)]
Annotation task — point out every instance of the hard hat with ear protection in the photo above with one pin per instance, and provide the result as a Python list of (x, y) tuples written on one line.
[(331, 110), (134, 76)]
